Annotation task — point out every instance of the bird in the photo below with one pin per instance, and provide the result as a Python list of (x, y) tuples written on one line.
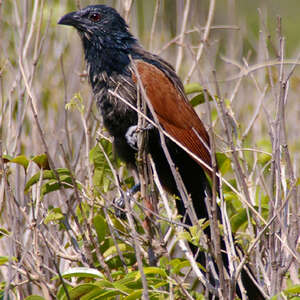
[(117, 64)]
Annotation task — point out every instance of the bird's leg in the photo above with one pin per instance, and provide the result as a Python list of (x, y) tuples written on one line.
[(119, 203), (132, 135)]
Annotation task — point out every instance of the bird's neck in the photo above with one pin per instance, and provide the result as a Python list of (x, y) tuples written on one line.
[(110, 55)]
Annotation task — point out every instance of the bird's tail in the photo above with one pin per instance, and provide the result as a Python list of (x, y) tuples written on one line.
[(247, 276)]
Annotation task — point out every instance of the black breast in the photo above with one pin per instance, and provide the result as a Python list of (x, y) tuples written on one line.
[(109, 91)]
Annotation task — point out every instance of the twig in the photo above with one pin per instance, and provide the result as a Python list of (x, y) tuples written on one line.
[(204, 40), (181, 35), (154, 21)]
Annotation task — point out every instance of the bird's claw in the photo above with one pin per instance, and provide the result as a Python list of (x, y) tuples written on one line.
[(119, 203), (132, 135), (119, 206)]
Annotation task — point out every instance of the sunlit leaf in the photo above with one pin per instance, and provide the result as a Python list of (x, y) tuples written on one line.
[(5, 259), (4, 232), (135, 295), (81, 272), (224, 163), (41, 161), (294, 290), (55, 214), (113, 250), (152, 270), (6, 158), (76, 103), (21, 160), (47, 174), (179, 265), (193, 87)]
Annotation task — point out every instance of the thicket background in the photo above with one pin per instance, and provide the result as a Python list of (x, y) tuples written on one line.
[(53, 222)]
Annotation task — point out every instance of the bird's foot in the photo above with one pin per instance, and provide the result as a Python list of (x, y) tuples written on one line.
[(132, 135), (119, 203)]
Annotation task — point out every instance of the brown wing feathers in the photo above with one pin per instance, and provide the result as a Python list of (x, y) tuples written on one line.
[(174, 112)]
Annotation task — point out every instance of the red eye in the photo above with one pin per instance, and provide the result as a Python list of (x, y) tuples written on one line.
[(95, 17)]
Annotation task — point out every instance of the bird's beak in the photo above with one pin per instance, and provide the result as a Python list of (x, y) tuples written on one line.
[(70, 19)]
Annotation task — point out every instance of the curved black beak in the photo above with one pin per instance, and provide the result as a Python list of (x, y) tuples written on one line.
[(70, 19)]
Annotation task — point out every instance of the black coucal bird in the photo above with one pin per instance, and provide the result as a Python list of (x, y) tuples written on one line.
[(110, 52)]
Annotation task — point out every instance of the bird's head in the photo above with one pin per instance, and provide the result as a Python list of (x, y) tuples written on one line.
[(100, 24), (105, 36)]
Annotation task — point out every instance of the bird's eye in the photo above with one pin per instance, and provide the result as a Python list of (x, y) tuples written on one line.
[(95, 17)]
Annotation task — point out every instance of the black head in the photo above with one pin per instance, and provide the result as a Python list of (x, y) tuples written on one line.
[(95, 19), (104, 33)]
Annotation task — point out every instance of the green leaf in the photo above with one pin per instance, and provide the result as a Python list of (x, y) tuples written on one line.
[(61, 292), (81, 290), (101, 227), (53, 185), (54, 214), (47, 174), (4, 232), (199, 99), (152, 270), (224, 163), (294, 290), (34, 297), (4, 260), (50, 186), (102, 171), (103, 289), (100, 294), (123, 286), (112, 251), (180, 265), (264, 145), (81, 272), (41, 161), (184, 235), (118, 225), (76, 103), (238, 219), (104, 284), (193, 87), (21, 160), (135, 295), (6, 158)]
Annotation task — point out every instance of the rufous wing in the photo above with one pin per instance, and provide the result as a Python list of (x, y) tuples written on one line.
[(173, 111)]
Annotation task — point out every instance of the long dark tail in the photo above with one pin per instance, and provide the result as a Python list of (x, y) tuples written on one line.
[(252, 290), (198, 187)]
